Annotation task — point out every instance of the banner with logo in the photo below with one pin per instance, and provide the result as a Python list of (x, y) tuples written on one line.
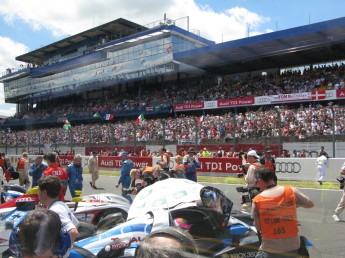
[(235, 102), (340, 94), (281, 98), (210, 104), (116, 162), (262, 100), (188, 106)]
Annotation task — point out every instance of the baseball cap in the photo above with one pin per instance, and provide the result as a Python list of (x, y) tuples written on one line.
[(267, 150), (253, 154), (123, 153)]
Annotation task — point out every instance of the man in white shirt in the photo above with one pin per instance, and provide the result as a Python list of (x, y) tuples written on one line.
[(321, 162), (48, 191)]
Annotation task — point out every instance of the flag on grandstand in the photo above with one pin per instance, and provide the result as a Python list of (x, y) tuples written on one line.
[(67, 125), (320, 94), (140, 119), (109, 117), (97, 115), (200, 120)]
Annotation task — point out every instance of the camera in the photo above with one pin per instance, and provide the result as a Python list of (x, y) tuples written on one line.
[(341, 180), (252, 192)]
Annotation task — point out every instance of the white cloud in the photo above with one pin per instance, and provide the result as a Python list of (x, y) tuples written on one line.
[(67, 17), (8, 50), (7, 110)]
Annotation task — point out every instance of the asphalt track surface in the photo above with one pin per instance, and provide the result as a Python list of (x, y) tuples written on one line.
[(316, 224)]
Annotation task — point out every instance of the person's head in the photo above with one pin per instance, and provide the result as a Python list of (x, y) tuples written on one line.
[(264, 177), (252, 156), (39, 234), (50, 158), (322, 147), (49, 188), (39, 160), (155, 171), (77, 160), (94, 153), (191, 152), (123, 155), (162, 151), (138, 174), (25, 155), (179, 159), (166, 243), (268, 153)]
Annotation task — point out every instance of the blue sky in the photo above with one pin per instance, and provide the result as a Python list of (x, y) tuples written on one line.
[(30, 24)]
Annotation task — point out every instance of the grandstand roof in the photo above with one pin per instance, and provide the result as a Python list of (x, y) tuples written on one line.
[(118, 26), (309, 44)]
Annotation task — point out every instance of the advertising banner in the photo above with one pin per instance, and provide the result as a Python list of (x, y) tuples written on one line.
[(340, 93), (290, 97), (235, 102), (116, 162), (220, 165), (188, 106), (262, 100), (331, 94), (210, 104)]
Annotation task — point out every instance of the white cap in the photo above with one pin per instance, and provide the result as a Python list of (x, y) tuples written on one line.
[(253, 154)]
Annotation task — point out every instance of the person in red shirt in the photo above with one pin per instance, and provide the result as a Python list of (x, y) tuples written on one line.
[(55, 170)]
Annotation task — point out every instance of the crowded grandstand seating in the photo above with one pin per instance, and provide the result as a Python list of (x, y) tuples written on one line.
[(302, 122), (318, 78)]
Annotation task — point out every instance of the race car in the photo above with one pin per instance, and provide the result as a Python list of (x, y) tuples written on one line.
[(206, 210)]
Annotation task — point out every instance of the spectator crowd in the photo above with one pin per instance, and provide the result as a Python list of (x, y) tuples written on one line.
[(153, 98), (302, 122)]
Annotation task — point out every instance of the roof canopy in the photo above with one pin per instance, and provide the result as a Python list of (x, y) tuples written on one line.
[(310, 44), (119, 26)]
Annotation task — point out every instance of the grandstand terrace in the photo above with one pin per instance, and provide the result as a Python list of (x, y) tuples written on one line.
[(281, 84)]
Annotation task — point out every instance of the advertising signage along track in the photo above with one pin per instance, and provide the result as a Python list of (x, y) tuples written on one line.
[(262, 100)]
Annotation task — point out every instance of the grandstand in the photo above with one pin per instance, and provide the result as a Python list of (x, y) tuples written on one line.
[(120, 70)]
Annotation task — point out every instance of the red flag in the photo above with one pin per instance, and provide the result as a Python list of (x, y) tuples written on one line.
[(320, 94)]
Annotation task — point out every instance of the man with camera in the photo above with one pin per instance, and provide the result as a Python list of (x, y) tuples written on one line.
[(341, 204), (249, 176), (275, 217)]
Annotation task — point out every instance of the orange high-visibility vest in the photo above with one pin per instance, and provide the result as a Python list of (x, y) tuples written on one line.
[(20, 163), (278, 216), (270, 165)]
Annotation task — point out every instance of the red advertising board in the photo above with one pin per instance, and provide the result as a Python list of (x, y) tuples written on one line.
[(220, 165), (189, 106), (340, 93), (65, 160), (116, 162), (236, 102)]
